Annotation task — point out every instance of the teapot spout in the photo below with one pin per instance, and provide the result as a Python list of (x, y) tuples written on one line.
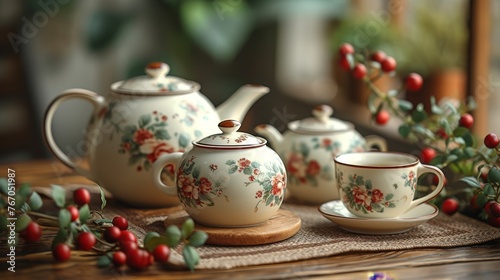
[(237, 105), (271, 134)]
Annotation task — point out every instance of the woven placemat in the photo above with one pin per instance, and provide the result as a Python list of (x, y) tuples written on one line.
[(319, 237)]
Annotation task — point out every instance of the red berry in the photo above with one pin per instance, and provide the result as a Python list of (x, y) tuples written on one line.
[(382, 117), (473, 203), (359, 71), (161, 253), (427, 154), (378, 56), (128, 247), (81, 196), (112, 234), (345, 49), (450, 206), (466, 120), (32, 232), (441, 133), (120, 222), (435, 180), (74, 212), (85, 241), (388, 64), (414, 82), (119, 258), (127, 236), (494, 209), (61, 252), (138, 259), (344, 63), (491, 140), (494, 221)]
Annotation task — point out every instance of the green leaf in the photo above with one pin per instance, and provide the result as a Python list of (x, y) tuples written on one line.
[(103, 261), (64, 218), (187, 228), (438, 160), (460, 131), (405, 106), (371, 100), (103, 198), (198, 238), (404, 130), (22, 222), (20, 200), (471, 181), (191, 257), (173, 234), (419, 114), (24, 190), (494, 175), (481, 200), (58, 195), (488, 189), (35, 202), (469, 140), (4, 185), (153, 241), (469, 152), (60, 237), (84, 214), (150, 235), (144, 120)]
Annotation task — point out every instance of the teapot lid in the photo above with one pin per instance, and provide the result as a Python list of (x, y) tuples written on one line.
[(230, 138), (320, 122), (156, 82)]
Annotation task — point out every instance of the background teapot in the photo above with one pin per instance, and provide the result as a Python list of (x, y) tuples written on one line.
[(229, 179), (141, 119), (308, 149)]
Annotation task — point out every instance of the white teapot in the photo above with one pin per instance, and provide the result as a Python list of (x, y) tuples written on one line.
[(229, 179), (141, 119), (308, 149)]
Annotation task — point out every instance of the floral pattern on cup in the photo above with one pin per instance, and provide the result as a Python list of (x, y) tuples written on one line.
[(198, 191), (361, 195)]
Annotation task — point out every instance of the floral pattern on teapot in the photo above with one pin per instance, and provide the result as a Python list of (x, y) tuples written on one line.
[(303, 169), (196, 191), (361, 195), (149, 138)]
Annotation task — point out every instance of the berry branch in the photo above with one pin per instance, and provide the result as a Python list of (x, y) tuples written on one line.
[(442, 133), (79, 228)]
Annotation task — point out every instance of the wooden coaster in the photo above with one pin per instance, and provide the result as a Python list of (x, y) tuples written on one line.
[(284, 224)]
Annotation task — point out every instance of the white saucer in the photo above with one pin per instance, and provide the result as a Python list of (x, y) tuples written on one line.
[(337, 213)]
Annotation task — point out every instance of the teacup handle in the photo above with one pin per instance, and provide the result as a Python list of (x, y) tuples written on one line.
[(374, 140), (423, 168), (96, 100), (159, 165)]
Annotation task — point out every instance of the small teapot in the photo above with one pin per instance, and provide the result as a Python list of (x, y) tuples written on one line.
[(141, 119), (229, 179), (308, 149)]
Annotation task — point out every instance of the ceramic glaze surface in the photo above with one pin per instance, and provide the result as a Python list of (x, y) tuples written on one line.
[(227, 185), (308, 147), (140, 120), (381, 186)]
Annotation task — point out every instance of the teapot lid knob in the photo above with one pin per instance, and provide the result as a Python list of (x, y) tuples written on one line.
[(229, 126), (322, 113), (157, 70)]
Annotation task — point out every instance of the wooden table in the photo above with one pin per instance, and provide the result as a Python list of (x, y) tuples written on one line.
[(470, 262)]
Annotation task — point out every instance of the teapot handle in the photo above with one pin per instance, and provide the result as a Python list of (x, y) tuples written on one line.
[(159, 165), (375, 140), (96, 100)]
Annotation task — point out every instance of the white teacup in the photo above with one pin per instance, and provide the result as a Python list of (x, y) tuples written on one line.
[(382, 184)]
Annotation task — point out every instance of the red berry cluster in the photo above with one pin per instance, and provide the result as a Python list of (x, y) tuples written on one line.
[(373, 66)]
